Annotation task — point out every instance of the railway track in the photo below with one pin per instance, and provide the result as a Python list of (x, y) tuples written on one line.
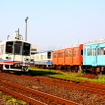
[(97, 88), (93, 87), (33, 97), (32, 82)]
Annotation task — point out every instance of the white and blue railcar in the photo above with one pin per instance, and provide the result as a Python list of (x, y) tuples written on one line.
[(14, 55), (43, 59), (94, 56)]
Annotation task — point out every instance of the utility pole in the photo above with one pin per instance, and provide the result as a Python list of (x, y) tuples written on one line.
[(26, 29)]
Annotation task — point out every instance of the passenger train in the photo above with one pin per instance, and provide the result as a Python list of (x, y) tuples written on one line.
[(14, 55), (89, 56), (43, 59)]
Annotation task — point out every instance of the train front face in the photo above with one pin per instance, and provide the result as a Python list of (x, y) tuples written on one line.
[(17, 54)]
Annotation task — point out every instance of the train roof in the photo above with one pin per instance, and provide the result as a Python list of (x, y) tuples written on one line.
[(15, 40), (44, 51), (95, 42), (76, 45)]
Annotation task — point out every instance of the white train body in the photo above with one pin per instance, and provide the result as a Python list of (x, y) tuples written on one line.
[(14, 55), (43, 59)]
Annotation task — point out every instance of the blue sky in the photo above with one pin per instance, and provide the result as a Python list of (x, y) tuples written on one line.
[(54, 24)]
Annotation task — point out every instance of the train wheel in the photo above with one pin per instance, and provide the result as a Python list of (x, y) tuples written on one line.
[(68, 68), (98, 70), (75, 69), (1, 68), (59, 67)]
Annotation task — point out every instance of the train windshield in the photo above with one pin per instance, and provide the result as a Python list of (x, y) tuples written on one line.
[(26, 49), (18, 47), (9, 47)]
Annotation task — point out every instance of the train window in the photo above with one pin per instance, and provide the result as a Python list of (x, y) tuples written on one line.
[(81, 52), (71, 53), (101, 51), (26, 49), (49, 55), (104, 50), (66, 53), (74, 52), (1, 49), (60, 54), (54, 55), (9, 47), (37, 57), (94, 51), (89, 52), (17, 47), (41, 56)]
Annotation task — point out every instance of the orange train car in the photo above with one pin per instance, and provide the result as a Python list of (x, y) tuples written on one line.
[(68, 58)]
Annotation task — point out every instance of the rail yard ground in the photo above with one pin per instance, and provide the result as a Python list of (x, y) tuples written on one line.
[(44, 80)]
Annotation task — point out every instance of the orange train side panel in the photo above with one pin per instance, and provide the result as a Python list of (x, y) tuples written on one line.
[(61, 57), (68, 56), (78, 55), (55, 58), (58, 57)]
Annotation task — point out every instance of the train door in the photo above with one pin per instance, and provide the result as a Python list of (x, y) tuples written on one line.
[(94, 54)]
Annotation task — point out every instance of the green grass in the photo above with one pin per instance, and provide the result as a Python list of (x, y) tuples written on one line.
[(1, 92), (65, 75), (7, 96), (13, 100)]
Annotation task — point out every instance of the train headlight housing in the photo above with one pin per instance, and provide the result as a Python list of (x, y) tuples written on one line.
[(9, 58), (26, 59)]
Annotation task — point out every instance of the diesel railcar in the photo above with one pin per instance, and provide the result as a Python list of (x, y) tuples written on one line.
[(43, 59), (14, 55)]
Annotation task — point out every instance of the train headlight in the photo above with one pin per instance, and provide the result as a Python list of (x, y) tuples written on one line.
[(8, 58), (26, 59)]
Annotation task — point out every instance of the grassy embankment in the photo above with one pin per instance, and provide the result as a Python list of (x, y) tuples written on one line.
[(65, 75)]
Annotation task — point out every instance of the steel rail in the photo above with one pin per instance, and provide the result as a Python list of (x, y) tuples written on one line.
[(52, 97), (30, 100)]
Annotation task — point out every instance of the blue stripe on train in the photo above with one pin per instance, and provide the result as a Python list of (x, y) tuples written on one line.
[(47, 63)]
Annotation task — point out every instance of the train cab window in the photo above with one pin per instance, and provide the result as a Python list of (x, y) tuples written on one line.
[(49, 55), (26, 49), (17, 47), (9, 47)]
